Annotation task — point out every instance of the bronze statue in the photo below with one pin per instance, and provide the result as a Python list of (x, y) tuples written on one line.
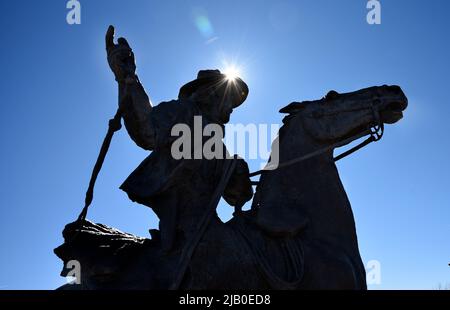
[(300, 231)]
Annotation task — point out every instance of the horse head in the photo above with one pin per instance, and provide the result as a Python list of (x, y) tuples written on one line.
[(337, 117)]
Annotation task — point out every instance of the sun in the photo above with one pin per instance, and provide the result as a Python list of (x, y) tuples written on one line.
[(231, 73)]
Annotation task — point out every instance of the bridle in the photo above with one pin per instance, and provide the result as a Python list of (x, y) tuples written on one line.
[(375, 134)]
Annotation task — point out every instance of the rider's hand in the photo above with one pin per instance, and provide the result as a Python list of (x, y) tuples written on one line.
[(239, 188), (120, 56)]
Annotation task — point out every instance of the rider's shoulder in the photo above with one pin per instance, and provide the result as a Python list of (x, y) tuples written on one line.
[(167, 113), (172, 106)]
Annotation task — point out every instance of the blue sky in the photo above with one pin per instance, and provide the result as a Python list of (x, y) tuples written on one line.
[(58, 93)]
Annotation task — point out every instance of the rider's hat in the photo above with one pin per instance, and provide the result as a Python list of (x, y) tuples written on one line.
[(215, 79)]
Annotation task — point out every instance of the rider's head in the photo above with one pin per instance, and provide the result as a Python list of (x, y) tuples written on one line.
[(216, 94)]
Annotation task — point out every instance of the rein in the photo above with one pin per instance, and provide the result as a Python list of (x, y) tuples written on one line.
[(375, 134)]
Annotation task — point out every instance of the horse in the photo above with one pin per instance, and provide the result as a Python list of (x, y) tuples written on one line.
[(298, 234)]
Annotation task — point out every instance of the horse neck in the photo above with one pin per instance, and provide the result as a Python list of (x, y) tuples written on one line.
[(310, 189)]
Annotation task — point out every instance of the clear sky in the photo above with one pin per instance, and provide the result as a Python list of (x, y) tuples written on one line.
[(57, 94)]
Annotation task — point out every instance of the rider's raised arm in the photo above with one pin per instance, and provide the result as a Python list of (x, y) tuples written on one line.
[(136, 110), (134, 102)]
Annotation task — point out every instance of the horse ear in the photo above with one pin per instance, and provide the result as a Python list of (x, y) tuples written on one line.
[(292, 107)]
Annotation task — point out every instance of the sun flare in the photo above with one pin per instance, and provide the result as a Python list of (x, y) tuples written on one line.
[(232, 73)]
